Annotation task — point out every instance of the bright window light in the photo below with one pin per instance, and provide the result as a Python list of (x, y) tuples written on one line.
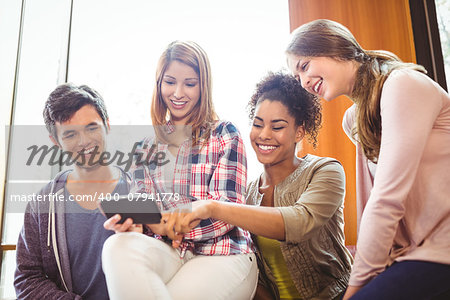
[(114, 48)]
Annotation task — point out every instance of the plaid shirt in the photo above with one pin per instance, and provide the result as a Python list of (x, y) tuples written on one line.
[(214, 171)]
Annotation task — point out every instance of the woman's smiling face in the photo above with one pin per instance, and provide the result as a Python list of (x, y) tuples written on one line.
[(324, 77), (180, 90), (274, 133)]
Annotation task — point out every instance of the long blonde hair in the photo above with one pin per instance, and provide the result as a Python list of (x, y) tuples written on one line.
[(203, 116), (327, 38)]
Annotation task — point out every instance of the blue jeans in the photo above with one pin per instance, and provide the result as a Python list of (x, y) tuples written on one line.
[(409, 280)]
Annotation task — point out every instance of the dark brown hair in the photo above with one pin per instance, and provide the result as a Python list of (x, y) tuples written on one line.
[(66, 100)]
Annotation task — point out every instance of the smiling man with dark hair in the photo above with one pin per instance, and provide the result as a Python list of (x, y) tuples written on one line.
[(59, 247)]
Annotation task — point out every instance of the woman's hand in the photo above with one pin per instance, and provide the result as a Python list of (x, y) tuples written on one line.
[(351, 290), (179, 223), (201, 210), (127, 226), (159, 228), (171, 219)]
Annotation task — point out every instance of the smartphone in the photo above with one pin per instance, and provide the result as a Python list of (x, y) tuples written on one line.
[(134, 206)]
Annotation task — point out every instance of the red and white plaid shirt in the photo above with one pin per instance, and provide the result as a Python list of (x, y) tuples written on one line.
[(217, 171)]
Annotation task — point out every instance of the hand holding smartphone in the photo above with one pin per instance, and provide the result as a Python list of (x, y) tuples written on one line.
[(141, 209)]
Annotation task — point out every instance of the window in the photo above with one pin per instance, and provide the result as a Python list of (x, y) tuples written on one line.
[(243, 39), (34, 59), (114, 48)]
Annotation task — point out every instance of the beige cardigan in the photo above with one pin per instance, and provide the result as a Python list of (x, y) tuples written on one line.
[(311, 202)]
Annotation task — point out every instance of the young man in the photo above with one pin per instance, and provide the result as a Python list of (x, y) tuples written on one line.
[(59, 247)]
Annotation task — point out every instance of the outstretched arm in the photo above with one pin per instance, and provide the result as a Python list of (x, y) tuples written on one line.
[(264, 221), (315, 206)]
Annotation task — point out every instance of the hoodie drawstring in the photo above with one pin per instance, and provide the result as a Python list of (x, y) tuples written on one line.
[(52, 231)]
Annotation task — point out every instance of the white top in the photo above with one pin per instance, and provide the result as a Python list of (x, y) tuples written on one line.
[(407, 216), (168, 171)]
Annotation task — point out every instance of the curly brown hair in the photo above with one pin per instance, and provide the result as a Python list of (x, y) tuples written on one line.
[(302, 106)]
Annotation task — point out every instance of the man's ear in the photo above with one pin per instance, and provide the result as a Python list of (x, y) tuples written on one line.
[(54, 141), (300, 134), (108, 128)]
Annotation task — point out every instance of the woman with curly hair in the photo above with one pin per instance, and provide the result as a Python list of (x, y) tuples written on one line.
[(296, 205)]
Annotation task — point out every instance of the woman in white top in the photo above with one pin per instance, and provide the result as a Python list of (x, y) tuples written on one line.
[(401, 123)]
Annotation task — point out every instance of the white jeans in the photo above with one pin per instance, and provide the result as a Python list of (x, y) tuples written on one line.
[(140, 267)]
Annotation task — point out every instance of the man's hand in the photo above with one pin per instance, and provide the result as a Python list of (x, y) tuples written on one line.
[(127, 226)]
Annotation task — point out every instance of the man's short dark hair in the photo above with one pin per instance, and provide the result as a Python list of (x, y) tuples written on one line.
[(66, 100)]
